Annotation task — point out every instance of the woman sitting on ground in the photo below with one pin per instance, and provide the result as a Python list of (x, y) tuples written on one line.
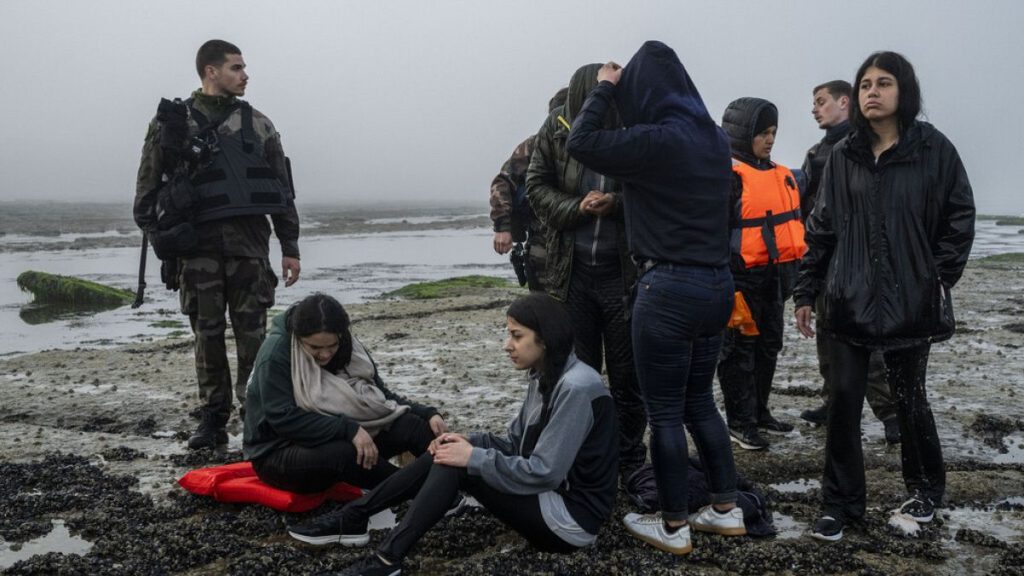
[(552, 479), (316, 410)]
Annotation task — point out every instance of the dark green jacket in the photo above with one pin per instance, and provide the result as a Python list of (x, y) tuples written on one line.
[(273, 420), (552, 187)]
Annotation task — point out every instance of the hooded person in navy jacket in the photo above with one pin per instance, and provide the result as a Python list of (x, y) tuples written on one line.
[(675, 168)]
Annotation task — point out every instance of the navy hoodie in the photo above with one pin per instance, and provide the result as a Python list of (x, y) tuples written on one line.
[(672, 158)]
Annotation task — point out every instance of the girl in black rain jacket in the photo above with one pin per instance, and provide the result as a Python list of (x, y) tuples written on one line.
[(888, 238)]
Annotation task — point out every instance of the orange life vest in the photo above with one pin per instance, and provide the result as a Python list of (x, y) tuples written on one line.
[(769, 216)]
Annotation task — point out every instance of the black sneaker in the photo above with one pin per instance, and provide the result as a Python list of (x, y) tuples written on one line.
[(373, 566), (817, 416), (919, 508), (330, 528), (771, 424), (748, 438), (828, 528), (892, 431), (210, 433)]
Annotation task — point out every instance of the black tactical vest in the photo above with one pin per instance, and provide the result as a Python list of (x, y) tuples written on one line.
[(238, 181)]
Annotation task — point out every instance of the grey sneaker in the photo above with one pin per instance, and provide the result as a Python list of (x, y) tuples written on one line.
[(725, 523), (651, 529)]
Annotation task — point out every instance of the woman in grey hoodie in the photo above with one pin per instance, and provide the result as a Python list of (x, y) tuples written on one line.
[(552, 478)]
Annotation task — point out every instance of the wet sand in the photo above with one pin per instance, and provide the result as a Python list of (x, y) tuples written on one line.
[(92, 442)]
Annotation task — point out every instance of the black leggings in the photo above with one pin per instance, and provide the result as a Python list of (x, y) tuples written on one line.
[(434, 487), (312, 469)]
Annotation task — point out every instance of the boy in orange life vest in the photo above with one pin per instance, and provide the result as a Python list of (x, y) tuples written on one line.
[(767, 240)]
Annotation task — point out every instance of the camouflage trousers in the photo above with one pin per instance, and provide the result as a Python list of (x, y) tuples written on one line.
[(212, 285)]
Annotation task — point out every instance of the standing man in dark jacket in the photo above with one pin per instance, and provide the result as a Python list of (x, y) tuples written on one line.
[(831, 111), (513, 218), (767, 242), (889, 236), (588, 261), (229, 271)]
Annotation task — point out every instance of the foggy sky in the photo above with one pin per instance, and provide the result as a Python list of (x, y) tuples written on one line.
[(424, 100)]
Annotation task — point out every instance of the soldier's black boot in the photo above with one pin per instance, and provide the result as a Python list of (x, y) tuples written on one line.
[(211, 432)]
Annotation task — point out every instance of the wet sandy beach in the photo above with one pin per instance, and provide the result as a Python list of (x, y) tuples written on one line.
[(92, 442)]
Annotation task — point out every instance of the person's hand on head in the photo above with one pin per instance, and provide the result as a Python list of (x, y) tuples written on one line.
[(610, 72)]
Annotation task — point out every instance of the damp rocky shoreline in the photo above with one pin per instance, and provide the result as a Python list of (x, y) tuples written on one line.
[(92, 442)]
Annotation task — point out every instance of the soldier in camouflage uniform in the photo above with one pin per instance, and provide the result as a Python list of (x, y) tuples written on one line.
[(230, 272), (514, 223)]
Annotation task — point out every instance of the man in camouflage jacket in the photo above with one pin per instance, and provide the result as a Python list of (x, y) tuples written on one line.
[(518, 224), (230, 272)]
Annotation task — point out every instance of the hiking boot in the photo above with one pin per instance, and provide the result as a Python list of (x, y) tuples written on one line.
[(771, 424), (729, 523), (892, 431), (331, 528), (373, 566), (817, 416), (210, 433), (652, 529), (828, 528), (748, 438), (919, 508)]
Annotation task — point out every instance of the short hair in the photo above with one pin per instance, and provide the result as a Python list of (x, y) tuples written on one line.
[(909, 103), (836, 88), (214, 53)]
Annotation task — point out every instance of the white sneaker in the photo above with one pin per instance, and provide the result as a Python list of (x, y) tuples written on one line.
[(725, 523), (651, 529)]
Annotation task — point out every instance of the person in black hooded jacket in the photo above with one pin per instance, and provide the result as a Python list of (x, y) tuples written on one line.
[(676, 172), (889, 236), (767, 241)]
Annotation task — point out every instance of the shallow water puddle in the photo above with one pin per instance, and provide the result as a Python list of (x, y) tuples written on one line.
[(799, 486), (58, 540), (1014, 445), (1004, 525), (789, 528)]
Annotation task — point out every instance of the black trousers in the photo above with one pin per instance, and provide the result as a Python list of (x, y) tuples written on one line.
[(746, 366), (598, 310), (434, 487), (310, 469), (879, 396), (843, 486)]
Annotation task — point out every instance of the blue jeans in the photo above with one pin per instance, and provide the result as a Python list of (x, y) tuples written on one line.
[(678, 319)]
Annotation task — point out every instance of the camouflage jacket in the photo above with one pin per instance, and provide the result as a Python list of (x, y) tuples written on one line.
[(503, 188), (242, 236)]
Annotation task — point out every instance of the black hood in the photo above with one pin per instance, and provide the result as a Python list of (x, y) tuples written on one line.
[(581, 83), (654, 86), (740, 122)]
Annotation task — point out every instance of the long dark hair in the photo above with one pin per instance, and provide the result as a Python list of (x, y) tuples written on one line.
[(909, 104), (549, 320), (321, 313)]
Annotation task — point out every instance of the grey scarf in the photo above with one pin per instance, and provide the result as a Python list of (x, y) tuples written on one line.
[(350, 393)]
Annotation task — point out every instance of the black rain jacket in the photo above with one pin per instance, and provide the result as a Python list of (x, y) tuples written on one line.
[(888, 240)]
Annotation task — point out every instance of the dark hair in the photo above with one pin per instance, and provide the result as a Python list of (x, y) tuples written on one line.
[(214, 53), (321, 313), (909, 105), (549, 320), (558, 99), (836, 88)]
